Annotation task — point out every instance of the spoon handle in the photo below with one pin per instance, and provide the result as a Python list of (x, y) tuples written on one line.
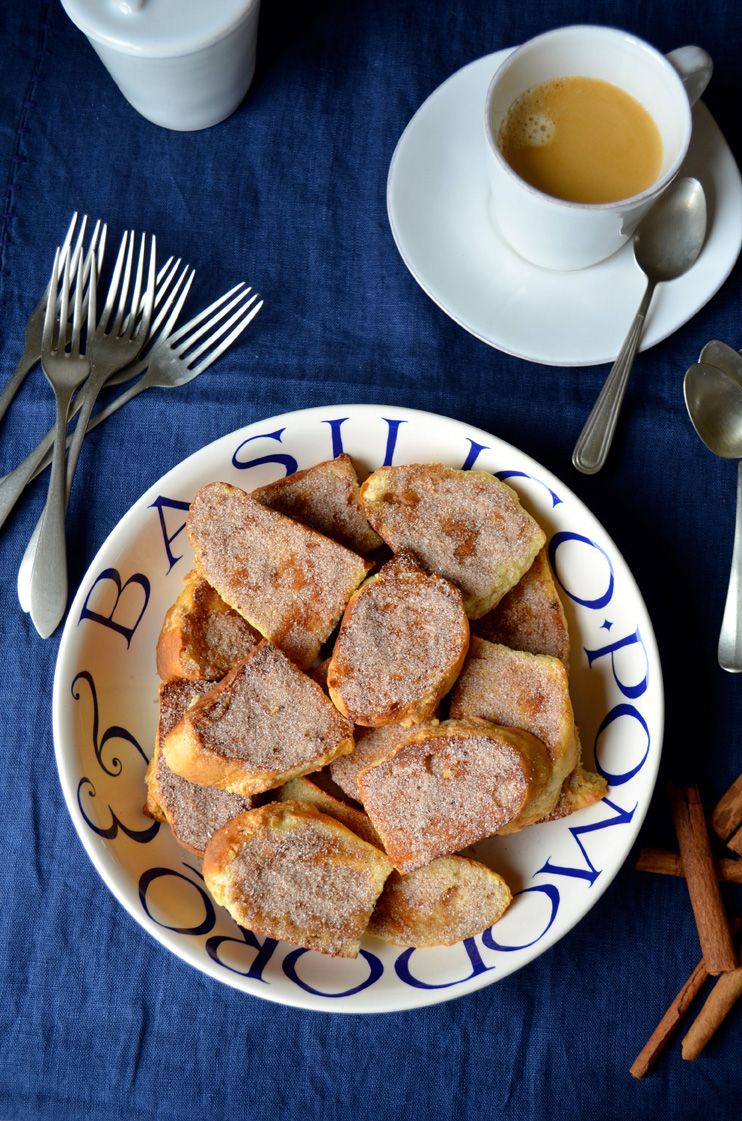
[(730, 639), (596, 437)]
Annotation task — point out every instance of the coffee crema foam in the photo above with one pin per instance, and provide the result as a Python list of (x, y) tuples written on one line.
[(534, 131), (584, 140)]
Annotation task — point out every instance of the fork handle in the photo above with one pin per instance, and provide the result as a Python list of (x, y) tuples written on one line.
[(27, 563), (89, 395), (29, 358), (115, 405), (48, 589), (15, 482), (103, 414)]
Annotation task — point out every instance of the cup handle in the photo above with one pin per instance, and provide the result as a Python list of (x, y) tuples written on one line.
[(694, 67)]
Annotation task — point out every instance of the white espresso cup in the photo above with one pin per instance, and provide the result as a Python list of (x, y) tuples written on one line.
[(182, 64), (562, 235)]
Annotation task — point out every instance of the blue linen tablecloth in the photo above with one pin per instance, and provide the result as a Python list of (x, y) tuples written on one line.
[(97, 1020)]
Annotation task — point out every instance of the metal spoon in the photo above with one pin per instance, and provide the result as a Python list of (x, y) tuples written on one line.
[(714, 403), (724, 357), (666, 243)]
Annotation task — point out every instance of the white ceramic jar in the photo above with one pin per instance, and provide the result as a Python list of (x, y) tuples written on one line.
[(183, 64)]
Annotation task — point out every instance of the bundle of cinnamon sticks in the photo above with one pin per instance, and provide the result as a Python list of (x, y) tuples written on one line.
[(716, 931)]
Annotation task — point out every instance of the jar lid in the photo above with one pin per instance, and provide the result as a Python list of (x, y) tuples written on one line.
[(157, 28)]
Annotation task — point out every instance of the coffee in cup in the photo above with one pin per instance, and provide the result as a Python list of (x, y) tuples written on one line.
[(582, 140), (568, 72)]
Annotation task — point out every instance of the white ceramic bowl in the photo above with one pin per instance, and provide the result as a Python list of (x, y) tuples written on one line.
[(105, 718)]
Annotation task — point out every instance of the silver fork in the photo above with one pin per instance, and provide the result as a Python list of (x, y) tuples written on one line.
[(110, 346), (161, 374), (169, 364), (115, 344), (14, 483), (65, 371), (26, 566), (35, 325)]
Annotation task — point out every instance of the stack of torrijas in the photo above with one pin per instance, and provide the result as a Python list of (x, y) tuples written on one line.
[(440, 737)]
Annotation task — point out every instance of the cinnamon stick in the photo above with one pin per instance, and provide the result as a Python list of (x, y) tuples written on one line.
[(735, 842), (667, 1025), (703, 887), (668, 863), (726, 816), (719, 1003)]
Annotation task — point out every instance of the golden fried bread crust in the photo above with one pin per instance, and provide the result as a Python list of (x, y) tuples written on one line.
[(193, 812), (450, 785), (202, 636), (464, 525), (372, 745), (521, 690), (287, 871), (448, 900), (173, 700), (324, 497), (530, 616), (441, 904), (305, 790), (290, 582), (401, 645), (263, 724), (581, 788)]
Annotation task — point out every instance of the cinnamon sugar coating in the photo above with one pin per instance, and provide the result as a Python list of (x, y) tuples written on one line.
[(324, 497), (193, 812), (202, 636), (290, 582), (401, 645), (451, 899), (522, 690), (270, 564), (264, 723), (371, 746), (289, 872), (530, 616), (464, 525), (305, 790), (450, 785)]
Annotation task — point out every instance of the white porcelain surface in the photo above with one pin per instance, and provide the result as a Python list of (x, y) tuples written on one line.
[(564, 235), (156, 28), (105, 716), (182, 64), (444, 219)]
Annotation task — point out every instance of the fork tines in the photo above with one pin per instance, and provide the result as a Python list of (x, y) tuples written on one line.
[(243, 309)]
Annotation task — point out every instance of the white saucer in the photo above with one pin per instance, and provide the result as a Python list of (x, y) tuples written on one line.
[(442, 217)]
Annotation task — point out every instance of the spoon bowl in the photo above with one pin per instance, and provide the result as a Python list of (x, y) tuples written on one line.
[(668, 240), (724, 357), (666, 243), (714, 403)]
